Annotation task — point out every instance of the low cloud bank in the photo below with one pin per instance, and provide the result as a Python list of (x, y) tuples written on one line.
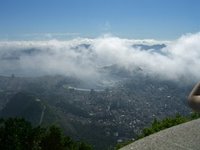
[(84, 58)]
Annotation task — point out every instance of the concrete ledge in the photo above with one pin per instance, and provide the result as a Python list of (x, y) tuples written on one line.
[(181, 137)]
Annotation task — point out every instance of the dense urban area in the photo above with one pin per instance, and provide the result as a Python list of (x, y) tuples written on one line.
[(102, 117)]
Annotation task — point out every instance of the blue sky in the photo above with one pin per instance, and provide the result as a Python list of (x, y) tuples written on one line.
[(159, 19)]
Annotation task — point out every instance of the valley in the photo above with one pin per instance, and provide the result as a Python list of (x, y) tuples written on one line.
[(100, 117)]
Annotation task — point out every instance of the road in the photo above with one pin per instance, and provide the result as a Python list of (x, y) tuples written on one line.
[(42, 115)]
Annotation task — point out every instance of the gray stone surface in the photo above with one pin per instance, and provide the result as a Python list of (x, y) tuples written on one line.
[(182, 137)]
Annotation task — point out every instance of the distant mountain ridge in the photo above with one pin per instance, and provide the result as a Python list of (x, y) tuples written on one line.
[(155, 47)]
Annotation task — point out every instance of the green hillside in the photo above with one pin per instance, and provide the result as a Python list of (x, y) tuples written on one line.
[(18, 134)]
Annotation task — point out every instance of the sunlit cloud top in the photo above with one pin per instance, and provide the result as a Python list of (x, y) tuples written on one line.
[(85, 58)]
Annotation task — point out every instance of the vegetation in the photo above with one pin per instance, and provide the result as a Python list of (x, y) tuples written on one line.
[(18, 134), (158, 125)]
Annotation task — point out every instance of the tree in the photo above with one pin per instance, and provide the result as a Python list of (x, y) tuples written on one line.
[(53, 139), (15, 134), (18, 134)]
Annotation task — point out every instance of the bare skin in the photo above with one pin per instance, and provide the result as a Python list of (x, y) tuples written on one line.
[(194, 98)]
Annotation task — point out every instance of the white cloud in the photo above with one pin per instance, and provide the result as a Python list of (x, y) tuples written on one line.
[(180, 59), (107, 26)]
